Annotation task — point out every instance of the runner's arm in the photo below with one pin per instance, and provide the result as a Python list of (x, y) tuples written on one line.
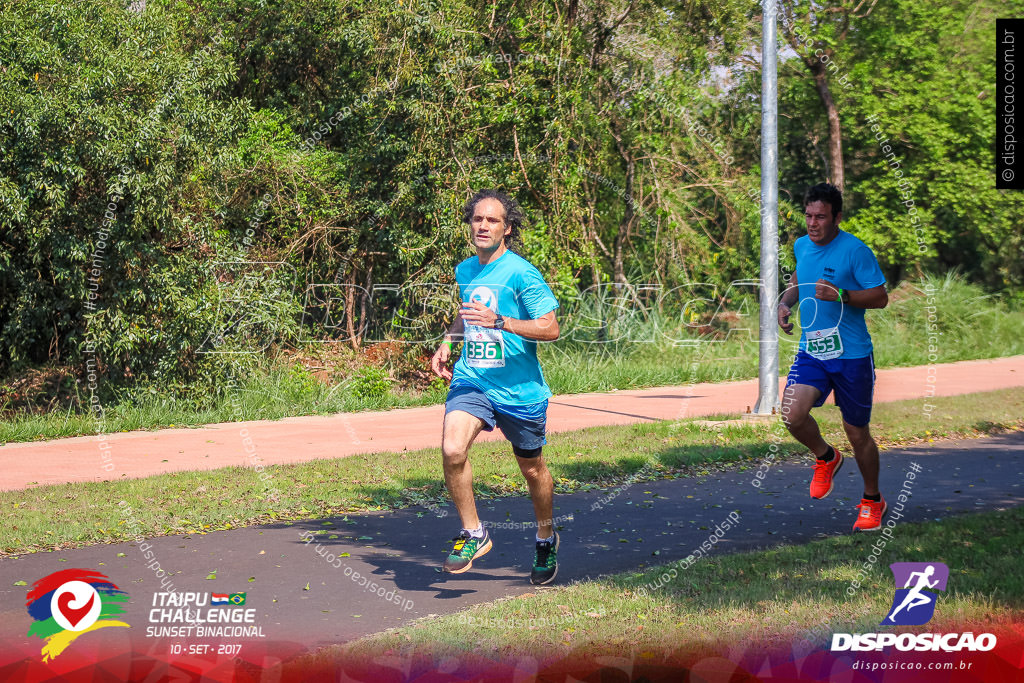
[(456, 331), (439, 362), (791, 294), (788, 299), (544, 328), (874, 297)]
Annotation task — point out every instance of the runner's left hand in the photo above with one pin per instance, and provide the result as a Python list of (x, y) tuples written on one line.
[(826, 291), (475, 313), (439, 363)]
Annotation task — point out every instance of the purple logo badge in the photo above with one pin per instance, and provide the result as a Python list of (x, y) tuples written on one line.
[(916, 583)]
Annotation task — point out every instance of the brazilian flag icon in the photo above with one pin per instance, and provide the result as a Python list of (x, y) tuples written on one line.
[(237, 598)]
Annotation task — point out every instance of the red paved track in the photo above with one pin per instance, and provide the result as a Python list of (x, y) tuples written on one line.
[(298, 439)]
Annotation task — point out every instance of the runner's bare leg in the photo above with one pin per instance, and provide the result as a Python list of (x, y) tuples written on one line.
[(866, 451), (542, 491), (460, 429), (797, 401)]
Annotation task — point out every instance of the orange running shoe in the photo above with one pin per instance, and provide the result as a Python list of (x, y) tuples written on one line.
[(869, 515), (821, 482)]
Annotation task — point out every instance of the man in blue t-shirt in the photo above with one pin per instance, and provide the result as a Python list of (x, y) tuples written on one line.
[(506, 309), (837, 278)]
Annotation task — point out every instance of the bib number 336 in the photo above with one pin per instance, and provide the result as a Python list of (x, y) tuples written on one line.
[(485, 353)]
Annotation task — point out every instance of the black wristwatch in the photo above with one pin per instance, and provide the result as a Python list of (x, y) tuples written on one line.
[(499, 322), (845, 297)]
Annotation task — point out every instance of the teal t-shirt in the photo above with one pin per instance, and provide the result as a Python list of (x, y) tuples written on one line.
[(848, 263), (503, 365)]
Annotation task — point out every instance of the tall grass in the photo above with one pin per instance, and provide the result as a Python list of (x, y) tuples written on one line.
[(968, 324)]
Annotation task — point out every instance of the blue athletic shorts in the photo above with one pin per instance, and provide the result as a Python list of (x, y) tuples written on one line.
[(852, 379), (524, 430)]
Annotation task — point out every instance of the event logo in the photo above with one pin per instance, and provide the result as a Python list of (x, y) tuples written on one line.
[(483, 295), (914, 603), (70, 603)]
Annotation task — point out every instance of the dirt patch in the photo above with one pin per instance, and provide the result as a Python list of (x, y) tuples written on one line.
[(40, 390), (406, 364)]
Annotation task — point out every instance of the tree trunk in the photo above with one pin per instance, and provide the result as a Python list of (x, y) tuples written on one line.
[(364, 300), (835, 130), (618, 265), (350, 313)]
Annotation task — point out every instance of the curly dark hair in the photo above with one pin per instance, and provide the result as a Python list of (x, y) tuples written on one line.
[(828, 193), (513, 214)]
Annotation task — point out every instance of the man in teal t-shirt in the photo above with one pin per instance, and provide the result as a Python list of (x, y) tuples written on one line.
[(837, 279), (506, 309)]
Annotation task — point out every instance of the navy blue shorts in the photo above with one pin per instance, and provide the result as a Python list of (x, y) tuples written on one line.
[(524, 430), (853, 380)]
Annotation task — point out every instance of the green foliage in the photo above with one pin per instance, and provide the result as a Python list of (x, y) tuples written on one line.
[(913, 88), (108, 114), (969, 322), (267, 167), (370, 382)]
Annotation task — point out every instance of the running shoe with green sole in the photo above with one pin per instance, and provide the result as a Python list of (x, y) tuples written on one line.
[(545, 562), (465, 550)]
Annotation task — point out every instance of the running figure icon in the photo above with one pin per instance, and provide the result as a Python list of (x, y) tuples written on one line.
[(915, 597)]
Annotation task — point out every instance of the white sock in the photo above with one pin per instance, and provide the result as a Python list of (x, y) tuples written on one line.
[(477, 532), (549, 538)]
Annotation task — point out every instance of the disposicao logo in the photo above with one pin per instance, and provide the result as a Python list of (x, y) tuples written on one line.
[(914, 605), (70, 603)]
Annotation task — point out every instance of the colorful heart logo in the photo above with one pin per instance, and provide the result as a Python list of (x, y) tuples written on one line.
[(75, 605), (70, 603), (73, 615)]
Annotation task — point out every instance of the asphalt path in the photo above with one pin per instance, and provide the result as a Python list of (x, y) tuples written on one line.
[(303, 598)]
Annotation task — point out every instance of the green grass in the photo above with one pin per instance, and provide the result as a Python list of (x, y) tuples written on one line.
[(973, 326), (787, 596), (67, 515)]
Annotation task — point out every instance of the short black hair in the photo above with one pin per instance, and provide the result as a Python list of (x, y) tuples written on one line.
[(513, 214), (828, 193)]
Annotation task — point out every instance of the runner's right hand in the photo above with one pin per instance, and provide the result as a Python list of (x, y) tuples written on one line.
[(784, 323), (439, 362)]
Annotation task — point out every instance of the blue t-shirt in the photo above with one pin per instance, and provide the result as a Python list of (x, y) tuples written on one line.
[(503, 365), (847, 263)]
